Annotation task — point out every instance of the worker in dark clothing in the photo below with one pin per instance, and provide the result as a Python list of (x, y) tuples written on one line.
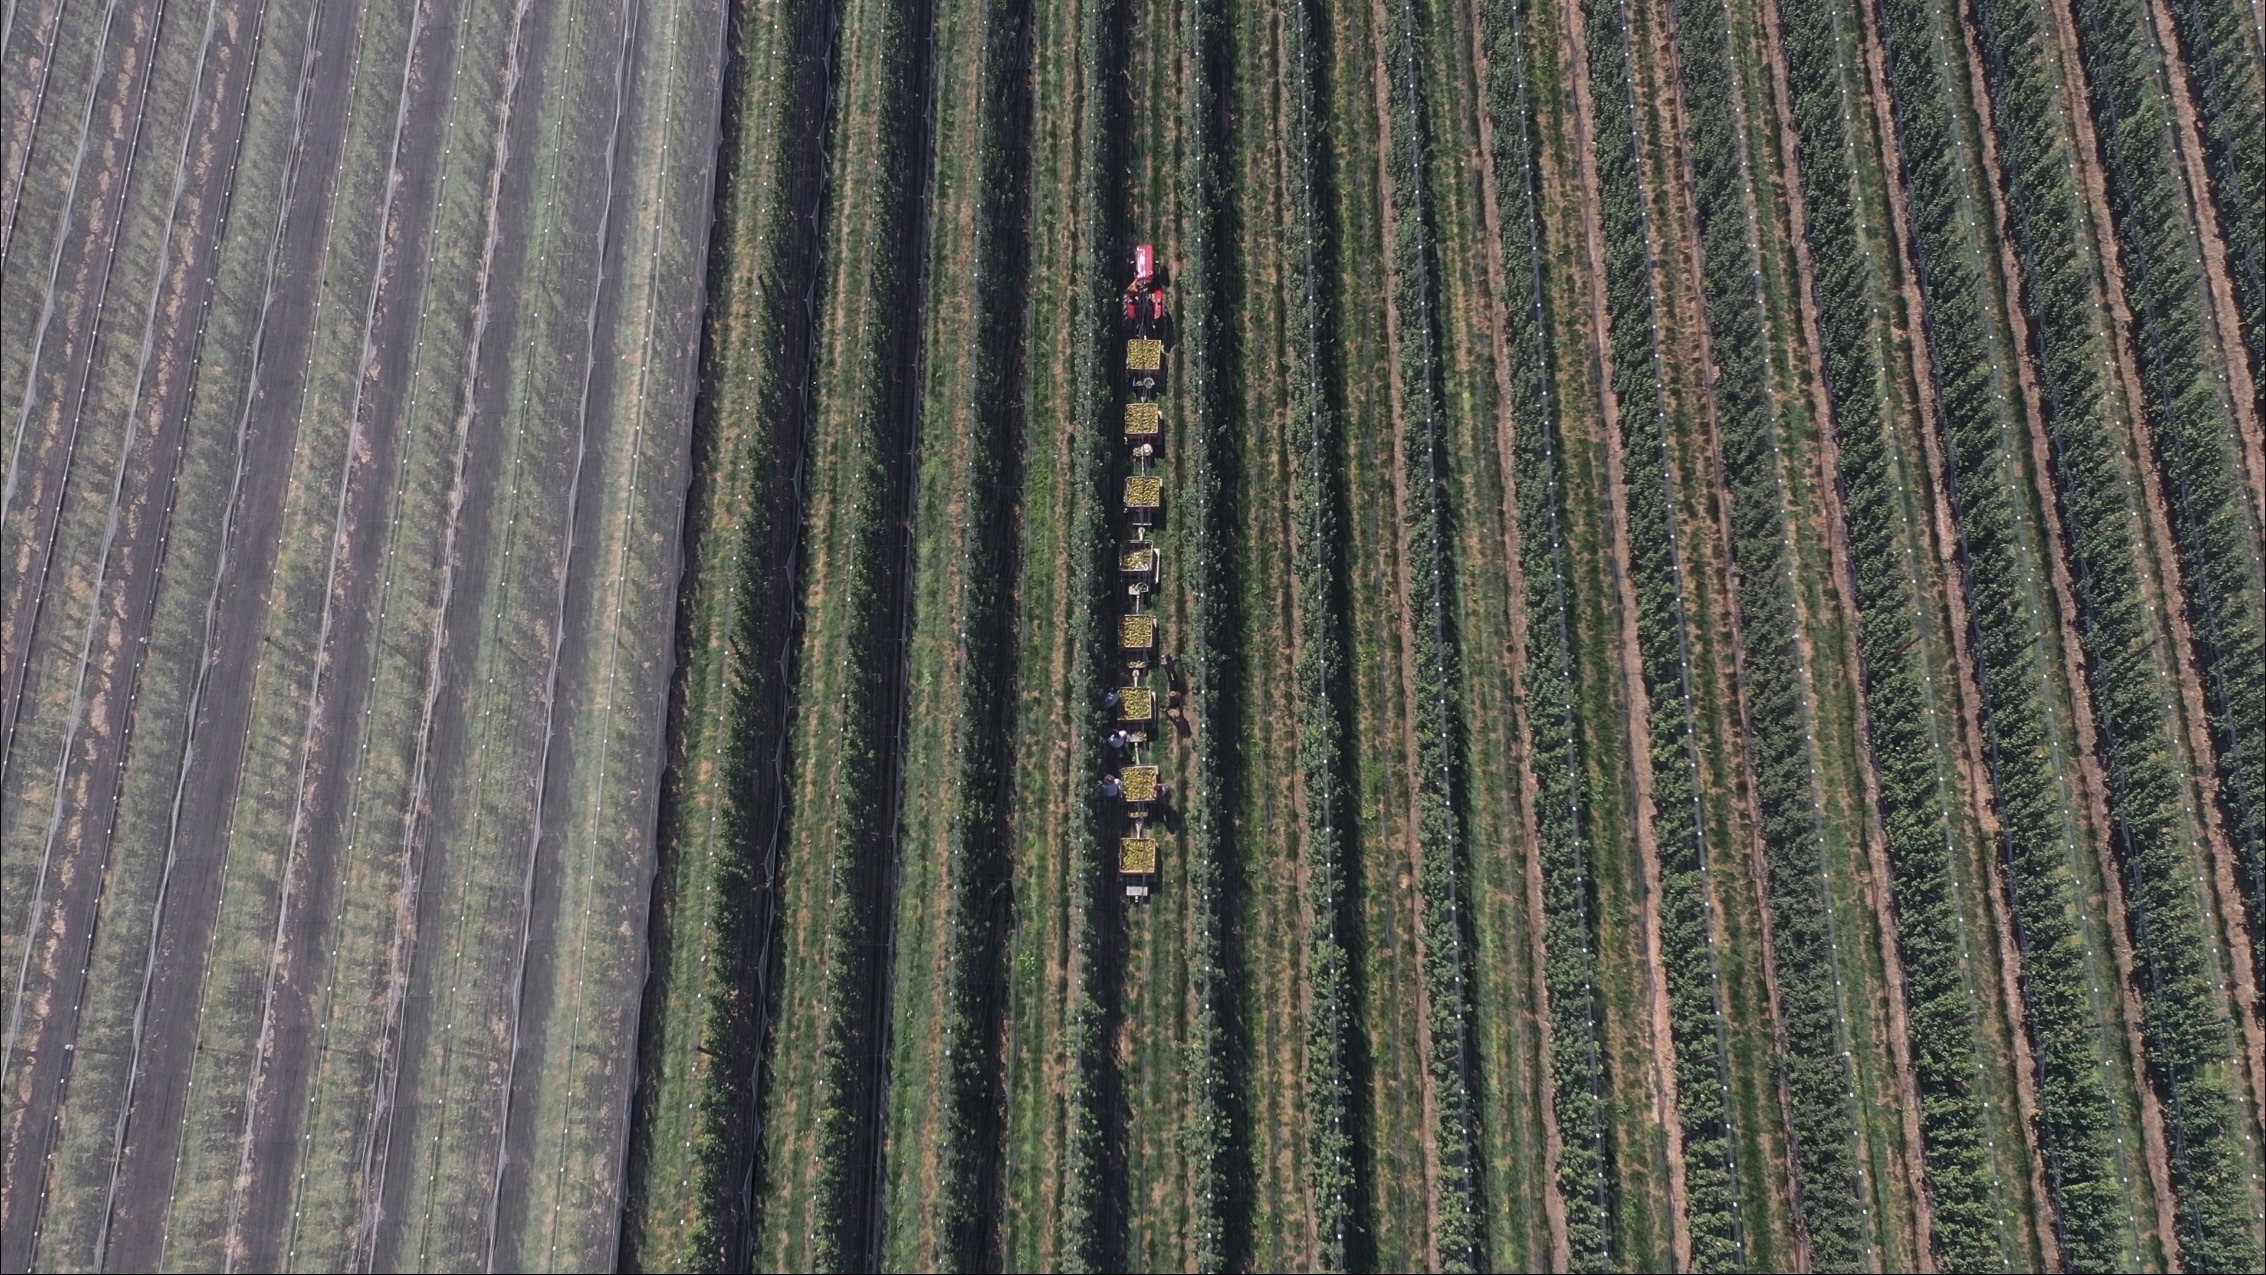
[(1116, 741), (1110, 700), (1173, 675), (1112, 787)]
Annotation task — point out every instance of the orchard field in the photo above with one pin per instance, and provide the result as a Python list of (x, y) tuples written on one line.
[(563, 565), (348, 355), (1716, 544)]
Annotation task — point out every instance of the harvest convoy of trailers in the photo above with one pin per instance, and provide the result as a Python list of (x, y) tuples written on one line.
[(1135, 783)]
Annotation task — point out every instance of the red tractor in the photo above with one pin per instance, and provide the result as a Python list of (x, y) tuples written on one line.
[(1144, 297)]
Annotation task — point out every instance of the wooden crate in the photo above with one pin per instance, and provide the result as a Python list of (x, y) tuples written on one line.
[(1137, 856), (1140, 783), (1136, 704), (1144, 356), (1144, 491), (1142, 420), (1137, 632)]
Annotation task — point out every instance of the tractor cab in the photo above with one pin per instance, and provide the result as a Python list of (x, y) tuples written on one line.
[(1143, 306)]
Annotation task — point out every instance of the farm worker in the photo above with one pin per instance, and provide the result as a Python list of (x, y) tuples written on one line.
[(1111, 787), (1172, 673), (1110, 700), (1116, 741), (1144, 451)]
